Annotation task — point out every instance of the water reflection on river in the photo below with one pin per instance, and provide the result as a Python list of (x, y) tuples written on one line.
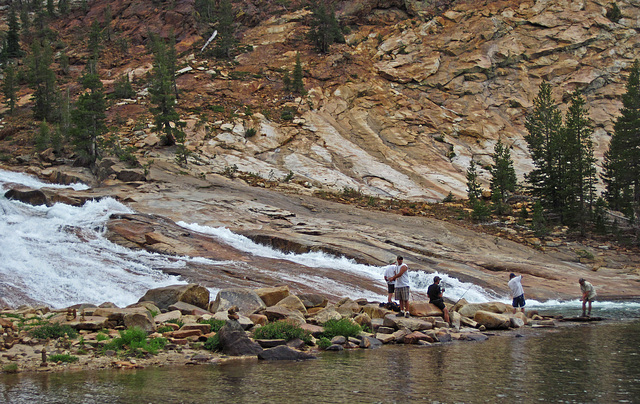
[(587, 363)]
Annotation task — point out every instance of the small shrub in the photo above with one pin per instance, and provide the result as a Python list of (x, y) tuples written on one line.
[(134, 341), (53, 331), (287, 115), (10, 368), (288, 177), (213, 343), (344, 327), (216, 325), (324, 343), (101, 337), (614, 14), (66, 358), (164, 329), (449, 198), (251, 132), (217, 108), (176, 321), (282, 330)]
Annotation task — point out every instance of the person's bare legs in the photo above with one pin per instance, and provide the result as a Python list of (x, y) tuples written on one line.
[(446, 315)]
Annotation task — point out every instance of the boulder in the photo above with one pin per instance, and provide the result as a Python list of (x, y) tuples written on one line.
[(516, 322), (314, 330), (188, 309), (311, 300), (170, 315), (423, 309), (363, 320), (271, 296), (204, 328), (235, 342), (275, 313), (150, 306), (142, 320), (414, 337), (164, 297), (491, 320), (326, 314), (469, 310), (258, 319), (412, 324), (91, 323), (247, 301), (338, 339), (271, 343), (385, 338), (375, 311), (294, 303)]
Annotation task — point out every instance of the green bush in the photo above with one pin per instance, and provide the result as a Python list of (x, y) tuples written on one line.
[(166, 328), (324, 343), (344, 327), (10, 368), (282, 330), (213, 343), (216, 325), (101, 337), (134, 342), (66, 358), (53, 330)]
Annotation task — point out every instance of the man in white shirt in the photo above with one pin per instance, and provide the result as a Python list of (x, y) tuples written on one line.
[(588, 296), (517, 292), (402, 286)]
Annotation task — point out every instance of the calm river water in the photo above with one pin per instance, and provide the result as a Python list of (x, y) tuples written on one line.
[(591, 363)]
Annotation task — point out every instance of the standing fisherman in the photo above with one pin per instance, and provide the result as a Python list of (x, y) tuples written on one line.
[(517, 292), (588, 295), (402, 286)]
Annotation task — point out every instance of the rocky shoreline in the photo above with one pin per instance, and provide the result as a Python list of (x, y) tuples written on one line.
[(177, 323)]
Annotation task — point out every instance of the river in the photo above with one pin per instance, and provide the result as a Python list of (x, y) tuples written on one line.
[(574, 364), (58, 256)]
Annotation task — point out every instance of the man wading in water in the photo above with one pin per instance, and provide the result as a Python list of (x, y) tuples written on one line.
[(588, 296), (517, 292), (402, 286)]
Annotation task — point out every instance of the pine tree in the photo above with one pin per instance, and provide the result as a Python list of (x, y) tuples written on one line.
[(622, 160), (11, 48), (94, 45), (298, 84), (167, 119), (579, 173), (43, 82), (88, 118), (10, 88), (503, 176), (324, 29), (51, 10), (226, 34), (63, 7), (474, 192), (544, 141)]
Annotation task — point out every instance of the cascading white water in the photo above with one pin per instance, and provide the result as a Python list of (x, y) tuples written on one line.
[(58, 256)]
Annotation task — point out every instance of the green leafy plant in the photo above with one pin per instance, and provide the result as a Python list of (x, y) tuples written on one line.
[(134, 342), (324, 343), (213, 343), (216, 325), (66, 358), (344, 327), (101, 337), (176, 321), (282, 330), (164, 329), (53, 330), (251, 132), (10, 368)]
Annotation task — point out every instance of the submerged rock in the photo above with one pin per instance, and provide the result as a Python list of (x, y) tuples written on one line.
[(284, 352)]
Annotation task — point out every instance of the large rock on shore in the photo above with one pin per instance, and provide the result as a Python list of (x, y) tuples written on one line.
[(235, 342), (423, 309), (283, 352), (492, 321), (164, 297), (247, 301), (469, 310), (271, 296)]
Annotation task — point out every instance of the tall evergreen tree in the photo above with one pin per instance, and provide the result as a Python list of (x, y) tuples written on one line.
[(474, 191), (94, 45), (11, 48), (298, 84), (42, 80), (10, 88), (63, 7), (225, 40), (544, 141), (503, 176), (324, 29), (88, 118), (579, 173), (167, 119), (622, 160)]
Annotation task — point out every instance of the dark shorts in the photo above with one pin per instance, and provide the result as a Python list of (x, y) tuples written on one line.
[(439, 303), (518, 301), (402, 293), (391, 287)]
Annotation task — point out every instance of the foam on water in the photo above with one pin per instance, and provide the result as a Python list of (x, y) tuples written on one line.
[(33, 182), (58, 255)]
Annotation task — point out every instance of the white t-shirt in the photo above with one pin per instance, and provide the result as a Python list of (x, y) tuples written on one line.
[(389, 271), (516, 286), (403, 280)]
